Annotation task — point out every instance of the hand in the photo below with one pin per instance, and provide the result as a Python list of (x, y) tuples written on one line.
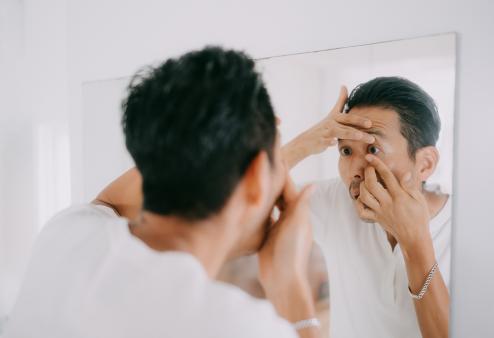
[(337, 125), (285, 254), (399, 207)]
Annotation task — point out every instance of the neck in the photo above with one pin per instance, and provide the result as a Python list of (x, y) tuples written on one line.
[(203, 239)]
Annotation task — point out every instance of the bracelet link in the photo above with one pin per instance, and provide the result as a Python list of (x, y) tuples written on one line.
[(306, 323), (425, 287)]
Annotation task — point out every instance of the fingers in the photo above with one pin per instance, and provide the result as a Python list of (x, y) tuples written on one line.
[(349, 133), (367, 198), (389, 179), (353, 120), (278, 120), (365, 213), (342, 98), (374, 187)]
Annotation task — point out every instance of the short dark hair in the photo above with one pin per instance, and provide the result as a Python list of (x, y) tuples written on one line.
[(419, 119), (193, 125)]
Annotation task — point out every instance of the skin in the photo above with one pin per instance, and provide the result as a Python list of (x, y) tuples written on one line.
[(242, 227), (385, 183)]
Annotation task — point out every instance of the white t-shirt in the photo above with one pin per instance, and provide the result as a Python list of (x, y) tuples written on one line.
[(368, 281), (90, 277)]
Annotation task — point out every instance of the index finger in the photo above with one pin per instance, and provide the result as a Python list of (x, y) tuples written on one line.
[(340, 104), (392, 184), (353, 120)]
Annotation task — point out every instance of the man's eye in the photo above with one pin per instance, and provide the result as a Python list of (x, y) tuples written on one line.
[(345, 151), (372, 149)]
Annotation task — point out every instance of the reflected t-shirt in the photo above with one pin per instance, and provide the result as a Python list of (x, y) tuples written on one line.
[(90, 277), (368, 281)]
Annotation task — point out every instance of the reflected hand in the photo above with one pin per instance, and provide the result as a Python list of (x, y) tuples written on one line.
[(399, 207), (336, 125)]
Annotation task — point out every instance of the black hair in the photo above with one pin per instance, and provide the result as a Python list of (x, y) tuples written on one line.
[(419, 118), (193, 125)]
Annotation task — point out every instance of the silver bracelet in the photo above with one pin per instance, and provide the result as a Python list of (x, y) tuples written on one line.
[(428, 281), (306, 323)]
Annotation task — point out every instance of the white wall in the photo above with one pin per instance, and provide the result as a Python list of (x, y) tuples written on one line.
[(107, 39), (33, 130)]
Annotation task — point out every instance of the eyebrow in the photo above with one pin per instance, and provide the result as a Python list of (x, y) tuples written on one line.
[(371, 131)]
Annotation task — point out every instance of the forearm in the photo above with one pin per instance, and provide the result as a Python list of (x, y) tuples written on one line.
[(293, 301), (433, 309), (295, 151), (123, 194)]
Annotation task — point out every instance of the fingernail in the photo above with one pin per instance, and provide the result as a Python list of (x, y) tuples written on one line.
[(370, 139), (368, 123), (358, 135), (369, 157), (407, 177)]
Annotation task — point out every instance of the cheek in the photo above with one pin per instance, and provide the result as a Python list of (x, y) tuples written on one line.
[(343, 169), (399, 167)]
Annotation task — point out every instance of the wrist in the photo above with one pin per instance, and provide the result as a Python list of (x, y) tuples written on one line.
[(419, 248), (292, 299), (419, 255)]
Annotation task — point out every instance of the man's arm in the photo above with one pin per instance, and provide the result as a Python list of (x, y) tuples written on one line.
[(402, 211), (284, 258), (433, 309), (124, 194)]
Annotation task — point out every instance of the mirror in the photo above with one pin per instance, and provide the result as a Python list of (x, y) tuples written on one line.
[(303, 88)]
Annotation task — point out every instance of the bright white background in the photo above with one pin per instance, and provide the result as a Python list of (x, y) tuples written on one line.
[(49, 48)]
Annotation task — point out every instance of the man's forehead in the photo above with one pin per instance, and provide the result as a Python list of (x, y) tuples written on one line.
[(375, 132), (385, 121)]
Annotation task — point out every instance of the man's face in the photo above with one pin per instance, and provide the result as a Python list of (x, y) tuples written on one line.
[(389, 145)]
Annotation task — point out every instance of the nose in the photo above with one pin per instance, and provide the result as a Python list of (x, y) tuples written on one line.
[(357, 167)]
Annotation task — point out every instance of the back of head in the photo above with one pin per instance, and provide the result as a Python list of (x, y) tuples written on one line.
[(192, 126), (419, 119)]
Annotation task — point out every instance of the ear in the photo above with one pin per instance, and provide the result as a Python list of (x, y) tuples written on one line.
[(426, 160), (256, 180)]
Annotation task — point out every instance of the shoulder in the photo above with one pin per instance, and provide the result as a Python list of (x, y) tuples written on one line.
[(75, 224), (88, 214)]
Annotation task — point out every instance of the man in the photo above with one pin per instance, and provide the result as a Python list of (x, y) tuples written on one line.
[(381, 229), (380, 233), (201, 130)]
